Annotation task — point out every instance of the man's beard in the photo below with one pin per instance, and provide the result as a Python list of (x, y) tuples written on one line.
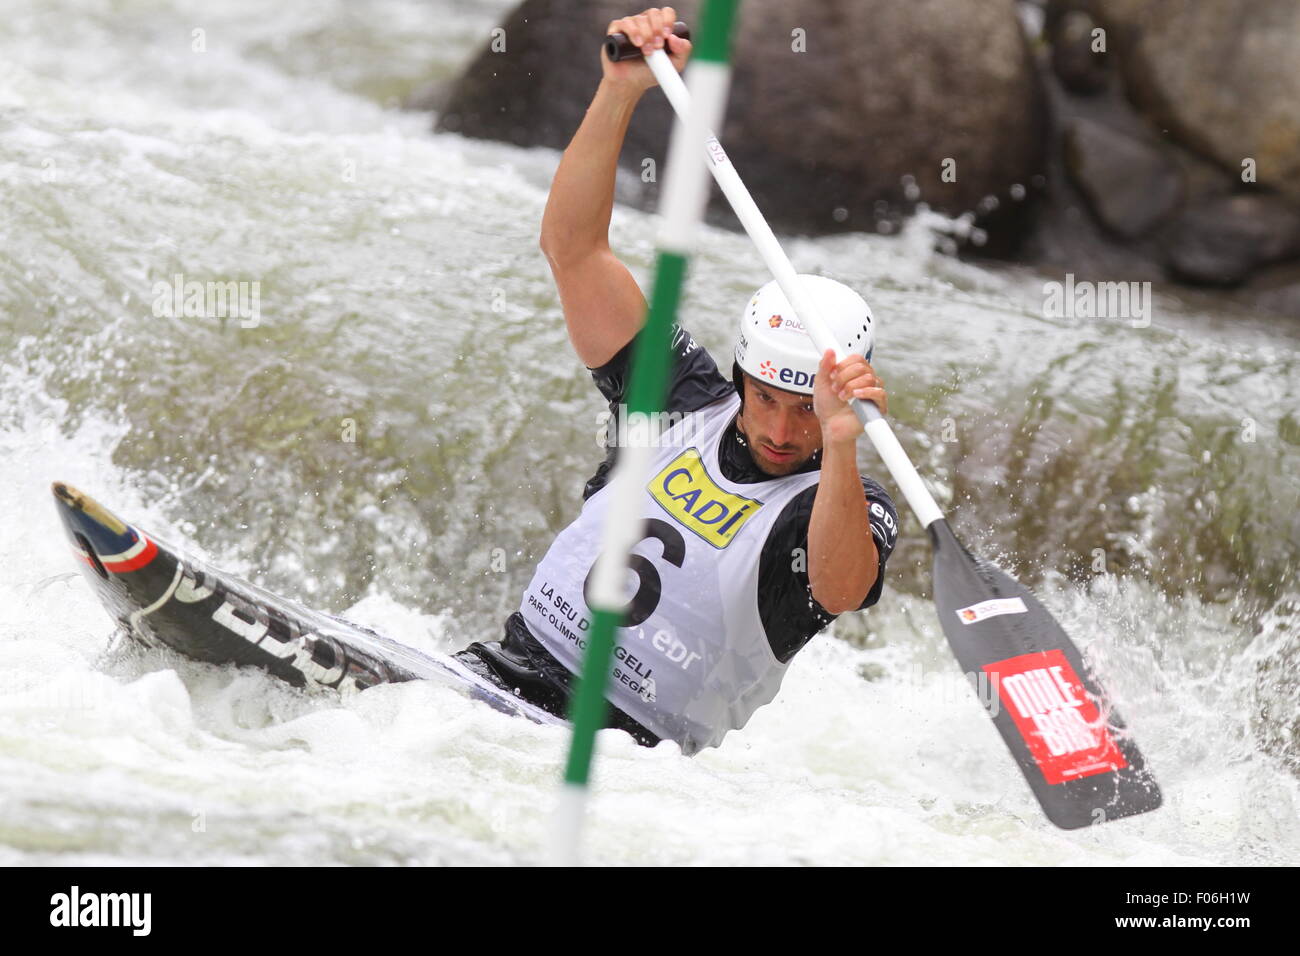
[(773, 468), (767, 467)]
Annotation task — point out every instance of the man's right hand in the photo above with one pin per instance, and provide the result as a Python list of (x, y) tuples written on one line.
[(603, 305), (652, 30)]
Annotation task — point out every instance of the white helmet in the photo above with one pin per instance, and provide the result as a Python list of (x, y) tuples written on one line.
[(773, 345)]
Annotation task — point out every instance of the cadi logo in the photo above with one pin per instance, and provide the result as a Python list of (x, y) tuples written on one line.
[(774, 321)]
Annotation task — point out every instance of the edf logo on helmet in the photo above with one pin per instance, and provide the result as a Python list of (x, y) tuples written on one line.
[(790, 376), (796, 378)]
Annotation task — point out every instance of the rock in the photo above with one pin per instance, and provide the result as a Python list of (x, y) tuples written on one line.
[(1221, 76), (1080, 68), (1277, 290), (1129, 184), (531, 83), (833, 104), (1221, 241)]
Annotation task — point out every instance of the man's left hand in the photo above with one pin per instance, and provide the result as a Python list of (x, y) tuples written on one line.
[(835, 386)]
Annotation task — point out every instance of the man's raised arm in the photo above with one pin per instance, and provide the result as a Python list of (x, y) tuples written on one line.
[(603, 306)]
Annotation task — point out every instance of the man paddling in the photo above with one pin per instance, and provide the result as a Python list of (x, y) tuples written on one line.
[(758, 529)]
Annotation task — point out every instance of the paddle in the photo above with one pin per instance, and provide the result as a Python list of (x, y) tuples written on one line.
[(619, 47), (1051, 711)]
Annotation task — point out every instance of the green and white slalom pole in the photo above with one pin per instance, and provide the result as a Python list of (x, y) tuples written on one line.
[(685, 195), (1069, 742)]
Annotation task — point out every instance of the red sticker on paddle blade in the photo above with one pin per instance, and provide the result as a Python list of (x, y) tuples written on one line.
[(1059, 722)]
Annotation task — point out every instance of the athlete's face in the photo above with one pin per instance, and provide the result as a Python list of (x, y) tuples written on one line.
[(780, 427)]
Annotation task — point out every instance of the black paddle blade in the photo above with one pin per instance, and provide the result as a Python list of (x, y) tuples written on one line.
[(1052, 713)]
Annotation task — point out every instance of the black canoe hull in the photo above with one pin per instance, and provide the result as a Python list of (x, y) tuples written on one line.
[(161, 596)]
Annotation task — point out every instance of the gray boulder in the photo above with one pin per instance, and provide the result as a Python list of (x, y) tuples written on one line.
[(1221, 241), (842, 111), (1222, 76), (536, 90), (1277, 290), (1130, 184)]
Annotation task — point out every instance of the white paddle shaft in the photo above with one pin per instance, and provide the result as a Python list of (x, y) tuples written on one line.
[(874, 424)]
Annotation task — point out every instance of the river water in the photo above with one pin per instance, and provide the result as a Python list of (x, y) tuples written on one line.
[(403, 429)]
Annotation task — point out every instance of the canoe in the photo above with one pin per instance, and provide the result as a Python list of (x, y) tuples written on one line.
[(162, 596)]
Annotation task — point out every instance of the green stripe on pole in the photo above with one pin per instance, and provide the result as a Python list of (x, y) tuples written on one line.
[(715, 30), (651, 358), (647, 390), (589, 705)]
